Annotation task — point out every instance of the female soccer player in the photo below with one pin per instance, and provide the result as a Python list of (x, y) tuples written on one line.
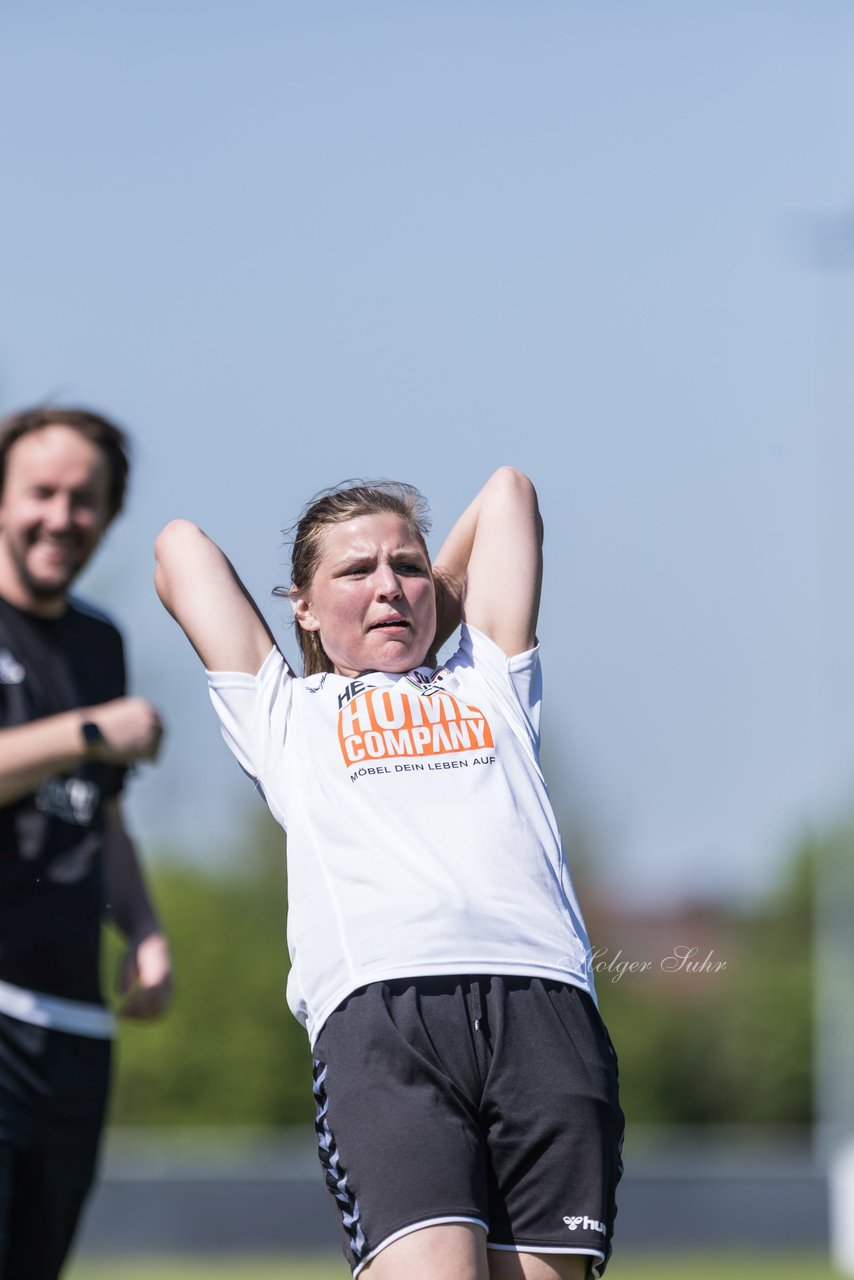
[(466, 1089)]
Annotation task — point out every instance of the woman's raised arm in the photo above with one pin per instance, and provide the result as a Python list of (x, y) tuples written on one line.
[(491, 563), (199, 587)]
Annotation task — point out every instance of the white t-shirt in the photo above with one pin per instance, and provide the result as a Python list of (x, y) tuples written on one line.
[(421, 839)]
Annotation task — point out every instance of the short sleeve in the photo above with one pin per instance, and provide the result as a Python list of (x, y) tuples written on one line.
[(516, 682), (253, 711)]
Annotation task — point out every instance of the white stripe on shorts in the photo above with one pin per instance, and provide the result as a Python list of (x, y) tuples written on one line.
[(415, 1226)]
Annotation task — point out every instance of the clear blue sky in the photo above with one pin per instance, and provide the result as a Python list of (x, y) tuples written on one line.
[(289, 243)]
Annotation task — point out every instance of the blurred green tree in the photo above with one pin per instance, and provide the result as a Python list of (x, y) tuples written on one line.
[(230, 1052), (733, 1047)]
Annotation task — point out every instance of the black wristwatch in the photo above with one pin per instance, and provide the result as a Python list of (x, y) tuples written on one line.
[(92, 735)]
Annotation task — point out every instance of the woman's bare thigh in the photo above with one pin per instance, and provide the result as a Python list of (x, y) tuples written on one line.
[(450, 1251), (504, 1265)]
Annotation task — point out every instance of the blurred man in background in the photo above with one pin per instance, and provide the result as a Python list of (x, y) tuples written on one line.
[(67, 734)]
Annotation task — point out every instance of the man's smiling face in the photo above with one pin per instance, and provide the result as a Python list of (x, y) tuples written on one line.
[(54, 509)]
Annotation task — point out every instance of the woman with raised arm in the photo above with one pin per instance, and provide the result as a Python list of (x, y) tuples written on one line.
[(466, 1089)]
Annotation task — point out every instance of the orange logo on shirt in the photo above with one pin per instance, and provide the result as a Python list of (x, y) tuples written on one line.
[(378, 724)]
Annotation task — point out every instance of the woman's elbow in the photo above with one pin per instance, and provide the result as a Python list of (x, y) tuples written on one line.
[(178, 542), (512, 481), (514, 490), (172, 547), (172, 535)]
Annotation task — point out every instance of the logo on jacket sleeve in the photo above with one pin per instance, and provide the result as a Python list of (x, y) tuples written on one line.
[(11, 670), (74, 800)]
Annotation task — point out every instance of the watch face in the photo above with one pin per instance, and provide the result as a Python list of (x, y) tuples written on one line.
[(91, 734)]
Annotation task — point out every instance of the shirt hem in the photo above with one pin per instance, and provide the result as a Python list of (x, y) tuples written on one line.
[(314, 1024)]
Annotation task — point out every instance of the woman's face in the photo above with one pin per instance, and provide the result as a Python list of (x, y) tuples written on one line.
[(372, 597)]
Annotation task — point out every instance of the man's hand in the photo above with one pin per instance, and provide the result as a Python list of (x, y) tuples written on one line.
[(131, 730), (146, 978)]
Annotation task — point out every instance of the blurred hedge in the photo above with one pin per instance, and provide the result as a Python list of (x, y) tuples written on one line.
[(733, 1047), (229, 1052)]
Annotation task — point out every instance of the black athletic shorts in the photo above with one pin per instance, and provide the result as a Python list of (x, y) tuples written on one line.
[(490, 1100), (53, 1092)]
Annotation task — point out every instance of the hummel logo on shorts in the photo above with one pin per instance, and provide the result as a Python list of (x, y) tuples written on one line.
[(587, 1224)]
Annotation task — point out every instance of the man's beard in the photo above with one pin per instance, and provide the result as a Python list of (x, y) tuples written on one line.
[(44, 590)]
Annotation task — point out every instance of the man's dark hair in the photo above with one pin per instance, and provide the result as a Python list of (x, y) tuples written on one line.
[(93, 426)]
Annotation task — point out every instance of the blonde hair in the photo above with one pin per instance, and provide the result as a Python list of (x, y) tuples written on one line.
[(335, 506)]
